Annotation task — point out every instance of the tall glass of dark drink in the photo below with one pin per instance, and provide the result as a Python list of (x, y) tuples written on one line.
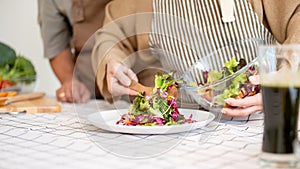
[(279, 68)]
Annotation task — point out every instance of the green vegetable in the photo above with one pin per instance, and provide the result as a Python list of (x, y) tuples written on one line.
[(214, 76), (234, 89), (22, 67), (15, 67), (140, 105), (219, 99), (161, 106), (7, 55), (230, 65), (162, 81)]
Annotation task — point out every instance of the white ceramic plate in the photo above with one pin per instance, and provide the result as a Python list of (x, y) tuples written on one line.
[(107, 120)]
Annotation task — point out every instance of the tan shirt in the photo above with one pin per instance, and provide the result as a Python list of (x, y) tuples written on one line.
[(69, 22), (56, 21), (112, 41), (72, 23)]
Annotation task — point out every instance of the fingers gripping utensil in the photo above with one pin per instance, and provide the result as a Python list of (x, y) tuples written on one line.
[(22, 97)]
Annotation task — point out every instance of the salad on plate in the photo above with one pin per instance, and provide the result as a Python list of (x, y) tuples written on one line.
[(159, 108)]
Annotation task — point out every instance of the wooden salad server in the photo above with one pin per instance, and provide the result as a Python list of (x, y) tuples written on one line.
[(140, 88), (173, 91)]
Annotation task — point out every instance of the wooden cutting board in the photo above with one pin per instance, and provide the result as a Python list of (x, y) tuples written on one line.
[(41, 105)]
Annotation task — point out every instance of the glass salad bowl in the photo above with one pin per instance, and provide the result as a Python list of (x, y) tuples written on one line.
[(223, 74)]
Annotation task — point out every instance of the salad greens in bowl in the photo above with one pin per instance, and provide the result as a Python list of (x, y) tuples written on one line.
[(158, 108), (221, 75)]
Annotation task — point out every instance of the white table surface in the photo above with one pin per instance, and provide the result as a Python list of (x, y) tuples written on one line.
[(65, 140)]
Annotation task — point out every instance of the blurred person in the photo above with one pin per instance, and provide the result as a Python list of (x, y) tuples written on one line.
[(147, 25), (66, 26)]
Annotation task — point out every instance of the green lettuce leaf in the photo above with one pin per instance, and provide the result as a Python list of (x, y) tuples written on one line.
[(230, 65), (214, 76), (162, 81)]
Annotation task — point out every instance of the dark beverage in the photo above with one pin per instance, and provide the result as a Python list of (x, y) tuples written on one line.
[(281, 106), (279, 74)]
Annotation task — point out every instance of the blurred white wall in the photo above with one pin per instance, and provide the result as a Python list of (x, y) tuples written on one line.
[(19, 29)]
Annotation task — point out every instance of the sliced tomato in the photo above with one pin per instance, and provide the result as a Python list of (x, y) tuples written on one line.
[(5, 84)]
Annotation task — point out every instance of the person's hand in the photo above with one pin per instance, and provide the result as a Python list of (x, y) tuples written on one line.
[(119, 78), (247, 105), (73, 91)]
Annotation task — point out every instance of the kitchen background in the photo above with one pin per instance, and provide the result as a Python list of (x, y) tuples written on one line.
[(19, 29)]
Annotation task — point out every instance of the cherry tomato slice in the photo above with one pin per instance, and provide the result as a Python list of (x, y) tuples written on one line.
[(5, 84)]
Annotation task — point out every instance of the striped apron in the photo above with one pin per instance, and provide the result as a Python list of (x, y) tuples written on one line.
[(183, 31)]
